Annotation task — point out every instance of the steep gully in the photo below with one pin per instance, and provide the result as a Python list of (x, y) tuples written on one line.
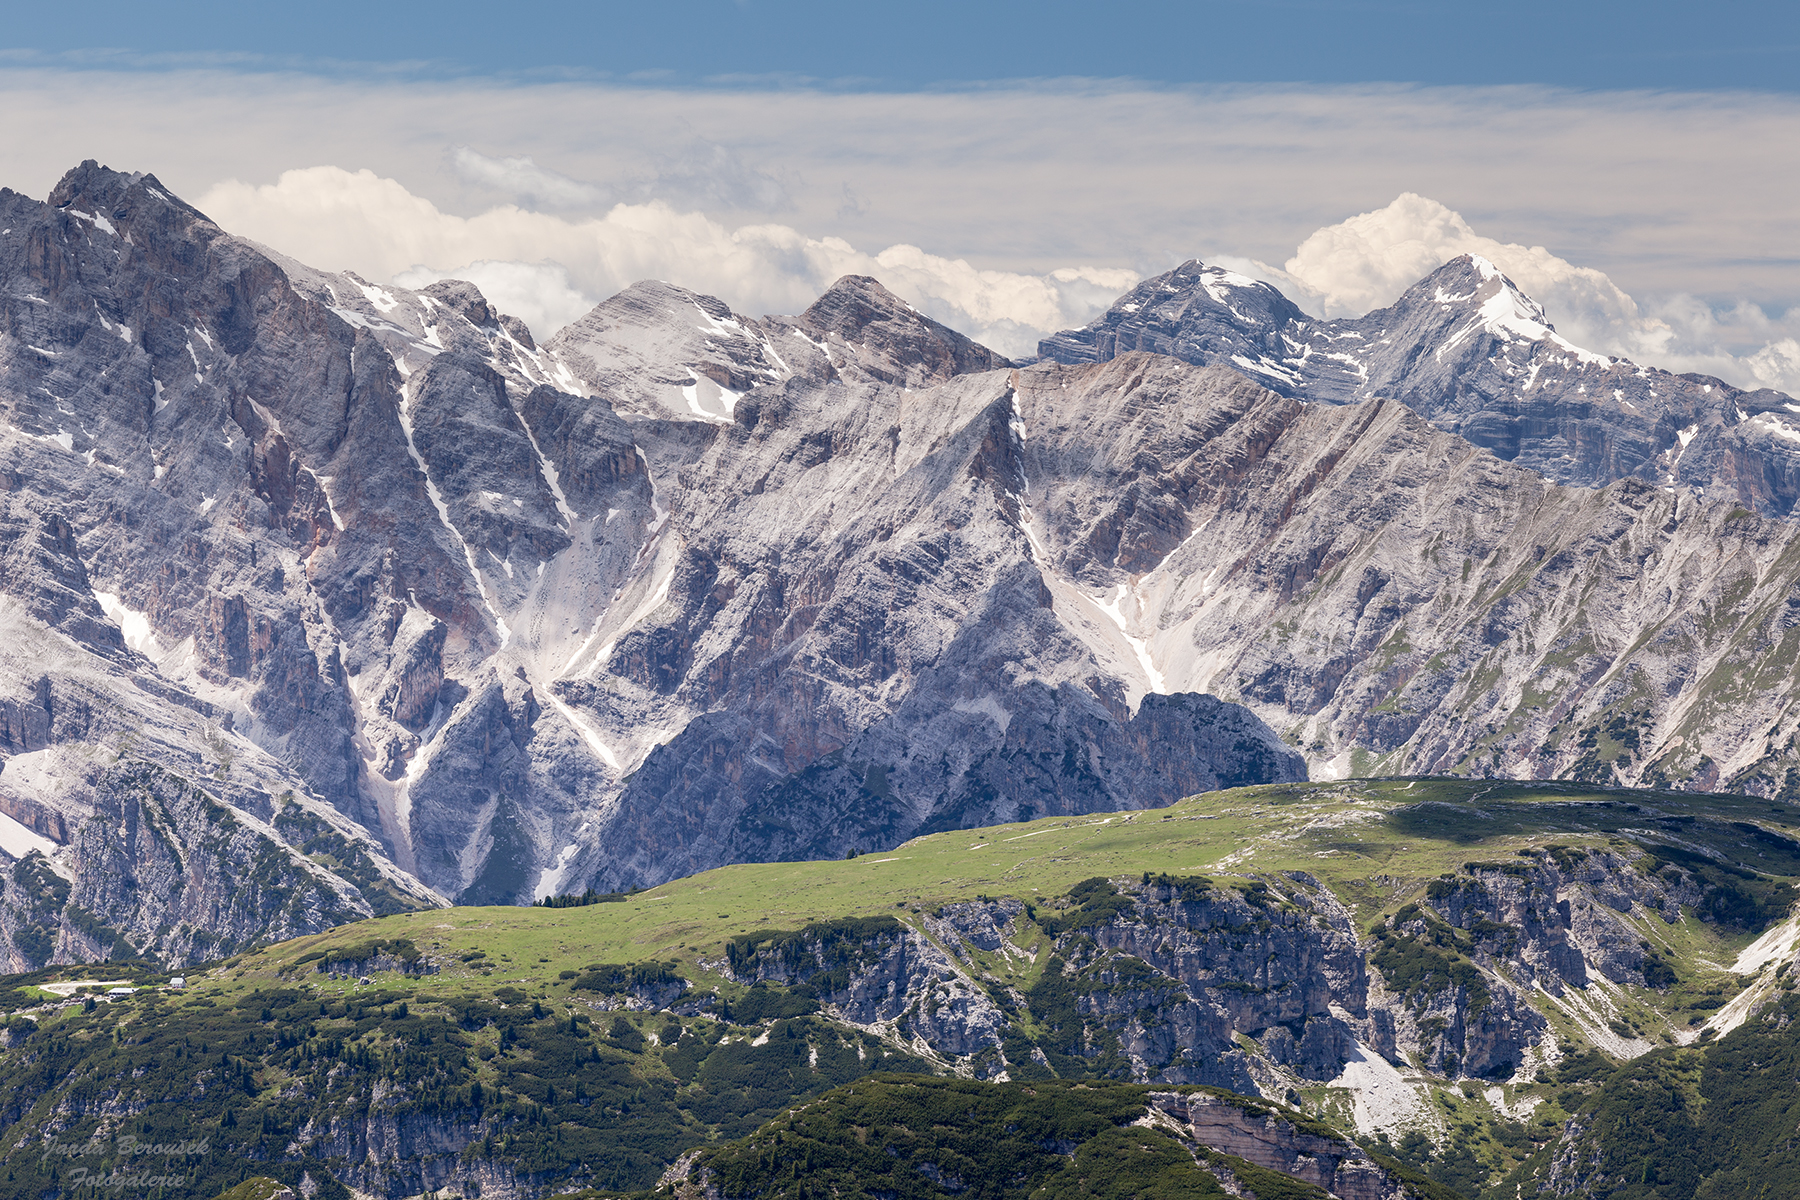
[(683, 587)]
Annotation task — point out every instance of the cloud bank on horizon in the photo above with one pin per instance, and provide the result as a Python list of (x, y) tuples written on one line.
[(1657, 225), (550, 269)]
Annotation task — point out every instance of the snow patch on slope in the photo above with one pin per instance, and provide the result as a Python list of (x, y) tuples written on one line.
[(132, 623)]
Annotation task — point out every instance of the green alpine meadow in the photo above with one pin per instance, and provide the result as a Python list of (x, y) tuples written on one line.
[(1011, 1010)]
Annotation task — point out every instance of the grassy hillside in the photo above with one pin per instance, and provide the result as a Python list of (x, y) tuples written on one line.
[(1373, 842), (511, 1028)]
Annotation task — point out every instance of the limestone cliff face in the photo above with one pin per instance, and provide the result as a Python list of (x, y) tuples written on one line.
[(1274, 1143), (1562, 914), (152, 863), (683, 587), (1258, 984), (1251, 988), (171, 406), (888, 978), (1392, 598), (388, 1151)]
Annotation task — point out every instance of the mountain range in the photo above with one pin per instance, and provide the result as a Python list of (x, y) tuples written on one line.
[(1475, 356), (361, 595)]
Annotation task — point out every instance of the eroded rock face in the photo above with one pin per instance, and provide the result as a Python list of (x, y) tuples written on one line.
[(1554, 914), (389, 1153), (1392, 598), (985, 925), (1260, 984), (683, 587), (153, 862), (1250, 985), (885, 977), (1271, 1142), (175, 414), (1254, 962), (1474, 355)]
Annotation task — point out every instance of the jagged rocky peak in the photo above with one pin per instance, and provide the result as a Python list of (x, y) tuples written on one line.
[(1465, 297), (1470, 279), (1196, 313), (1471, 352), (879, 336), (1477, 356), (657, 349), (117, 195), (464, 299)]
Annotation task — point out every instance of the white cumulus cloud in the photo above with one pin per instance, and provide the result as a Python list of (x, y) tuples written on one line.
[(523, 179), (548, 268), (337, 219), (1777, 365), (1366, 261)]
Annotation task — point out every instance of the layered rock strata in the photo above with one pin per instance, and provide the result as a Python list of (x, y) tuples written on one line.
[(683, 587)]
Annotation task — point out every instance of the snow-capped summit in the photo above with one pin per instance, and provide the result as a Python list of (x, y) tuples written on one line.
[(1197, 313), (656, 349), (1470, 351)]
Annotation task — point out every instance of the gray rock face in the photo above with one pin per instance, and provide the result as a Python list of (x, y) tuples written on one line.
[(171, 409), (1563, 913), (516, 618), (683, 587), (1474, 355), (1257, 986), (985, 926), (134, 859), (1395, 600), (894, 981), (1275, 1144)]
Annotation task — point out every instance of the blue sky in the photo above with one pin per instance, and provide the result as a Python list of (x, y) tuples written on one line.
[(932, 43), (1007, 167)]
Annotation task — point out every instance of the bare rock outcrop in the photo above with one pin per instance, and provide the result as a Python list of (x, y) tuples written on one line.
[(1269, 1140), (680, 587)]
